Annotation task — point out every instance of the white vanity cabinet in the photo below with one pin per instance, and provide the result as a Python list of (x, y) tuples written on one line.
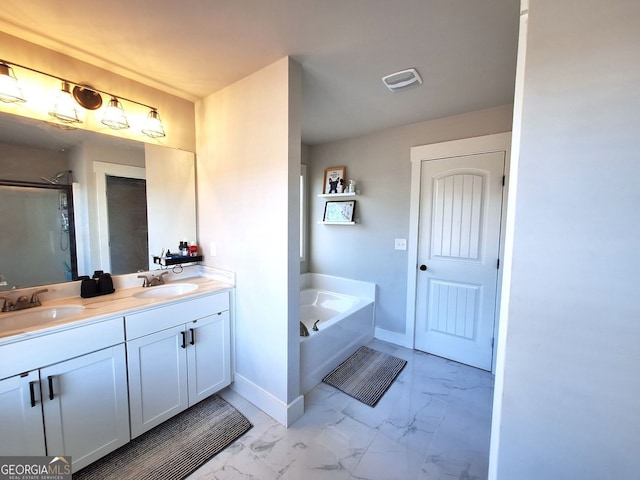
[(21, 412), (177, 355), (71, 398)]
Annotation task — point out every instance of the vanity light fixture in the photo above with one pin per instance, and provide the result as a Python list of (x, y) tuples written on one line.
[(87, 97), (114, 116), (9, 89), (153, 125), (65, 107)]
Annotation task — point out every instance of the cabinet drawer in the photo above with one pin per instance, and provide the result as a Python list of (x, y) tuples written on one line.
[(48, 349), (156, 319)]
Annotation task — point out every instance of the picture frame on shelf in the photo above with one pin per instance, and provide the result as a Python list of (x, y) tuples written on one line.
[(339, 211), (334, 180)]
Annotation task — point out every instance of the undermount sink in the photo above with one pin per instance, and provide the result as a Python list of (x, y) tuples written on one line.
[(37, 316), (166, 291)]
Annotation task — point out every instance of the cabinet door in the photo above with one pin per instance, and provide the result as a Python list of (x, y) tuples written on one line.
[(21, 416), (209, 357), (157, 365), (85, 405)]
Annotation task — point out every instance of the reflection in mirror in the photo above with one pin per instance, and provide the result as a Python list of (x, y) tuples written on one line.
[(171, 205), (121, 218), (38, 225), (127, 219), (35, 152)]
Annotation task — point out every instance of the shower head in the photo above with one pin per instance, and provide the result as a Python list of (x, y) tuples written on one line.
[(56, 178)]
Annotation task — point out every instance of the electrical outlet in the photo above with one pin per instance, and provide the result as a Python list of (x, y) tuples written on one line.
[(401, 243)]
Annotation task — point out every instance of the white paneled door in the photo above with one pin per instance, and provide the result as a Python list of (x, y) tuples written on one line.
[(458, 248)]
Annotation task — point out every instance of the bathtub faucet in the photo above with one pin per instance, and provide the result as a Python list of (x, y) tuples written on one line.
[(304, 332), (315, 326)]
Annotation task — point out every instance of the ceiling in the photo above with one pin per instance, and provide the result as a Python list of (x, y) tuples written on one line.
[(465, 51)]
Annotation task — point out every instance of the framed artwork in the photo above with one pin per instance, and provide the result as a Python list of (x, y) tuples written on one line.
[(334, 180), (339, 212)]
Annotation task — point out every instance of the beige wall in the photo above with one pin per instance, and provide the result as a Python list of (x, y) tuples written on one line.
[(380, 164), (176, 113), (248, 156)]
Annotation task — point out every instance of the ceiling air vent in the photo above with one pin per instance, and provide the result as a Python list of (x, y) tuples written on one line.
[(401, 80)]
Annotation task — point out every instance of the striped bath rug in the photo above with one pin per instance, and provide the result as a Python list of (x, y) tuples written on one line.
[(174, 449), (366, 375)]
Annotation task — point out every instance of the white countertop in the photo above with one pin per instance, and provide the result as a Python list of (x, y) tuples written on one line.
[(120, 303)]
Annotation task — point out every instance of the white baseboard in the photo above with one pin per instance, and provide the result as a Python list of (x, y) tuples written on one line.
[(396, 338), (282, 413)]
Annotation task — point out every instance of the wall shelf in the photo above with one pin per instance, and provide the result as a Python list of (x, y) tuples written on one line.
[(338, 195), (176, 260), (335, 223)]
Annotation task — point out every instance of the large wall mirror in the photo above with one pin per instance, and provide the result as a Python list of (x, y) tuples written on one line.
[(74, 201)]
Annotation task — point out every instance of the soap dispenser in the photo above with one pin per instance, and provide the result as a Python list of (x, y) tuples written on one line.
[(184, 248)]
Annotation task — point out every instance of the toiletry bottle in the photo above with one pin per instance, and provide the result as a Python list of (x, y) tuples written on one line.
[(193, 249)]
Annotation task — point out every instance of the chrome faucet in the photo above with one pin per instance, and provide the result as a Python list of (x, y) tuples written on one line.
[(304, 332), (35, 300), (7, 305), (23, 301), (159, 280)]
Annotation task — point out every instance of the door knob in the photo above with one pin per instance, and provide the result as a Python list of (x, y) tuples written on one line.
[(423, 267)]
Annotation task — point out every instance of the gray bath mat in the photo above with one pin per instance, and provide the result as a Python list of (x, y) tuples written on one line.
[(366, 375), (175, 448)]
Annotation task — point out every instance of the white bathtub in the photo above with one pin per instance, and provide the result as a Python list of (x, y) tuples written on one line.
[(344, 310)]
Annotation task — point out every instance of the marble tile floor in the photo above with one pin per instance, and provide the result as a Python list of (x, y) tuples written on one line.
[(432, 424)]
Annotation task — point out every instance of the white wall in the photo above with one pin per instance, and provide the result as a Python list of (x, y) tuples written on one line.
[(568, 388), (248, 164), (380, 164)]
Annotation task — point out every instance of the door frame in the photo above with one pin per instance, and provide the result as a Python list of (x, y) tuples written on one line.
[(500, 142), (101, 170)]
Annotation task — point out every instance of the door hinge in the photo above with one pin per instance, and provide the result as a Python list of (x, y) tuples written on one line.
[(503, 179), (498, 264)]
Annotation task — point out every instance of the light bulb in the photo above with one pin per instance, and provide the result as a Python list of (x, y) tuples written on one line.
[(114, 116)]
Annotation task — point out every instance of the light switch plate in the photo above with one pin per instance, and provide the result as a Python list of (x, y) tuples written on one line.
[(401, 243)]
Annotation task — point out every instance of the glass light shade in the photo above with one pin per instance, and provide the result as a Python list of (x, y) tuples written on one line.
[(9, 89), (114, 116), (153, 125), (65, 106)]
